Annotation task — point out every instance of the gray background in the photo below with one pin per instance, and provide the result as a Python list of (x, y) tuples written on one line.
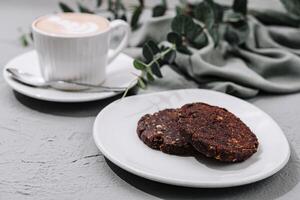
[(47, 150)]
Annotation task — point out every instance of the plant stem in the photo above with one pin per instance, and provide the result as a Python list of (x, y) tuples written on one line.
[(128, 87), (161, 55)]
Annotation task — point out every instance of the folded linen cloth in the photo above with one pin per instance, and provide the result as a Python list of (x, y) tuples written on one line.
[(268, 62)]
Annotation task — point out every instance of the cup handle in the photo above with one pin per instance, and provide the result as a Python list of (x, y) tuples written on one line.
[(115, 24)]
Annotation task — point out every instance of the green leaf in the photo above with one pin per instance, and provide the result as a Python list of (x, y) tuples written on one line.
[(135, 17), (139, 65), (150, 77), (240, 6), (155, 68), (174, 38), (182, 24), (194, 32), (24, 40), (236, 35), (84, 9), (200, 41), (64, 7), (149, 50), (184, 50), (141, 83), (159, 10), (185, 26), (214, 32), (218, 11), (292, 6), (205, 13), (99, 3), (210, 13), (153, 46), (231, 36)]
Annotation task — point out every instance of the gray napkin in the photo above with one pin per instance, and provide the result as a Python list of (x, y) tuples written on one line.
[(268, 62)]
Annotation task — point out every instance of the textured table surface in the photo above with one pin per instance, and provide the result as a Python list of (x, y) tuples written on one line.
[(47, 150)]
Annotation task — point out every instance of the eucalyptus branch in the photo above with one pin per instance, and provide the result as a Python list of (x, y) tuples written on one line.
[(161, 55), (147, 73)]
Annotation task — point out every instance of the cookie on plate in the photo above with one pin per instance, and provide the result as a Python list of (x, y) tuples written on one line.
[(217, 133), (161, 131)]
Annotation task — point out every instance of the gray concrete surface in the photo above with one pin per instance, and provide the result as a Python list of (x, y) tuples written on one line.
[(47, 150)]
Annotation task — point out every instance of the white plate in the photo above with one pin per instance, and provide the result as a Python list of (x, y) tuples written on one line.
[(115, 135), (119, 74)]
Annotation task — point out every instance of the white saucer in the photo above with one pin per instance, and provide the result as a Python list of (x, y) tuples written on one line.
[(119, 74), (116, 137)]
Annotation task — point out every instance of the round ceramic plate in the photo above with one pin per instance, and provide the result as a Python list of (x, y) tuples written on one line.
[(119, 74), (115, 135)]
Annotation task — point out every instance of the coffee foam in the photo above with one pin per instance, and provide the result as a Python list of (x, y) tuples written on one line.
[(72, 24)]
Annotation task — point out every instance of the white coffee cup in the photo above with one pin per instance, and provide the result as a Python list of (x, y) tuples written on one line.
[(76, 56)]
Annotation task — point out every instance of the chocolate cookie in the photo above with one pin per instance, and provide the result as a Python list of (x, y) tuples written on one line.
[(217, 133), (161, 131)]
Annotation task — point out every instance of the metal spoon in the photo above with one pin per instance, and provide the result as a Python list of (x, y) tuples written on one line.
[(36, 81)]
